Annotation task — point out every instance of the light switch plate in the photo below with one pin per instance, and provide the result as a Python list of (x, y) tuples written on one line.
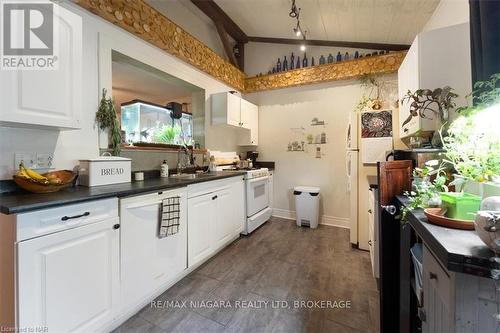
[(28, 159), (44, 160)]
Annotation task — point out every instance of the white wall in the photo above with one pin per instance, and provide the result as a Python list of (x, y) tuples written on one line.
[(448, 12), (262, 57), (69, 146), (281, 111)]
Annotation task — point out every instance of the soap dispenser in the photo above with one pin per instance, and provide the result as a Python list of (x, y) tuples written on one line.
[(164, 169)]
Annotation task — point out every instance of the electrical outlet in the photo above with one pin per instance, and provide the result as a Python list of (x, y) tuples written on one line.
[(44, 160), (28, 159)]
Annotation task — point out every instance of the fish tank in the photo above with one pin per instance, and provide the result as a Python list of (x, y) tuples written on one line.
[(144, 122)]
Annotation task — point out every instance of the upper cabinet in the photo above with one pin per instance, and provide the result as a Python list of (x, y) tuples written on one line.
[(230, 109), (48, 98), (436, 59)]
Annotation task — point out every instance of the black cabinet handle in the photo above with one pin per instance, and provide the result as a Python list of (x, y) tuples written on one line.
[(65, 218), (214, 197), (433, 276), (116, 226)]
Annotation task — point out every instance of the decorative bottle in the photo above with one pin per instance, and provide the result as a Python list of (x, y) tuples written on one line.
[(304, 61), (346, 56), (339, 57), (285, 64), (330, 58), (298, 62), (278, 66), (322, 60), (312, 61)]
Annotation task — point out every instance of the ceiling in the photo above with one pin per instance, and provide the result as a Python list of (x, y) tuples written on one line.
[(134, 80), (375, 21)]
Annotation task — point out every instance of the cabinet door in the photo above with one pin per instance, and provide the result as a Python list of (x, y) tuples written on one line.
[(201, 221), (233, 110), (250, 121), (48, 98), (69, 281), (225, 218), (438, 300)]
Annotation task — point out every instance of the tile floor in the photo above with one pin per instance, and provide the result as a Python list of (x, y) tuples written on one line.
[(278, 262)]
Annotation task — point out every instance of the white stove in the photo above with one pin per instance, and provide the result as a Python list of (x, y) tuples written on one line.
[(256, 173), (257, 199)]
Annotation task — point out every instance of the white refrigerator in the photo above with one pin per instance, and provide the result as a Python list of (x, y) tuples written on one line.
[(352, 156)]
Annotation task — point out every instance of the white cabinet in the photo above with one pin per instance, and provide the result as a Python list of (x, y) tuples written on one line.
[(230, 109), (69, 280), (201, 222), (456, 302), (149, 263), (250, 121), (216, 213), (48, 98), (437, 58)]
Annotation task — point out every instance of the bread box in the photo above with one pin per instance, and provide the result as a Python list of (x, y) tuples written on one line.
[(105, 170)]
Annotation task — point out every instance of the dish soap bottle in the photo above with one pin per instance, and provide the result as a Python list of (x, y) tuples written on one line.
[(164, 169), (212, 167)]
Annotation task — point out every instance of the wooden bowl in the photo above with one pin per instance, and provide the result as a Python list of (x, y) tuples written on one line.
[(67, 178), (436, 216)]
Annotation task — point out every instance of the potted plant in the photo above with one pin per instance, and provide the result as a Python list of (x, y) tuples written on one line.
[(108, 123), (438, 102), (373, 99), (473, 141)]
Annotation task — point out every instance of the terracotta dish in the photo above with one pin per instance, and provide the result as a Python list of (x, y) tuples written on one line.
[(436, 216), (67, 178)]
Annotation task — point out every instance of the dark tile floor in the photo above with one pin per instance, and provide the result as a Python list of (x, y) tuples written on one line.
[(278, 262)]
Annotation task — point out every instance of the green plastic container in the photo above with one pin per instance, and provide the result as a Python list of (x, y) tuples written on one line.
[(460, 206)]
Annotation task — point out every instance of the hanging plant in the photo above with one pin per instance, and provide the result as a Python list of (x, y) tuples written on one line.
[(374, 88), (438, 101), (106, 119)]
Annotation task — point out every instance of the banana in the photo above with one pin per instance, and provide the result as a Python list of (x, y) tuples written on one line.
[(34, 175)]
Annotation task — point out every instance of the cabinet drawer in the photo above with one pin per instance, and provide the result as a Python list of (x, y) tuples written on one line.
[(211, 186), (43, 222), (437, 277)]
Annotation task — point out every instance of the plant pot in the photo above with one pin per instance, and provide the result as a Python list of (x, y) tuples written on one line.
[(103, 136), (469, 186)]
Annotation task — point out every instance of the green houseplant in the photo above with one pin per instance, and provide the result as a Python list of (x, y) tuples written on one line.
[(107, 121)]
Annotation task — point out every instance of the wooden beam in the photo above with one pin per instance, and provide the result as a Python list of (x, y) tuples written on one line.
[(358, 45), (225, 41), (213, 11)]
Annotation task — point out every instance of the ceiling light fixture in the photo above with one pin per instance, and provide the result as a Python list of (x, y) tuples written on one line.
[(297, 30)]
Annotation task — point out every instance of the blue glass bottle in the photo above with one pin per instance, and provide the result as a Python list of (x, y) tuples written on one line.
[(312, 61), (304, 61), (346, 56), (298, 62), (356, 55), (339, 57), (285, 64), (322, 60), (330, 58), (278, 66)]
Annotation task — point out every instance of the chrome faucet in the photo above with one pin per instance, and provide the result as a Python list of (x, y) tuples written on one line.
[(189, 153)]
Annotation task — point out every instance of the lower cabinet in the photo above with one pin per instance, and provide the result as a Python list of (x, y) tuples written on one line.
[(215, 217), (456, 302), (69, 280)]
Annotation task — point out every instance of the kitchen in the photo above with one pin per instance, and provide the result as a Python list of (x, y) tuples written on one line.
[(193, 168)]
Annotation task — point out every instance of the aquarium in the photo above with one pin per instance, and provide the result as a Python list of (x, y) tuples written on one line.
[(145, 122)]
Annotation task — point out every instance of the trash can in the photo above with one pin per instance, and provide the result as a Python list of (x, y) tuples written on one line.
[(307, 205)]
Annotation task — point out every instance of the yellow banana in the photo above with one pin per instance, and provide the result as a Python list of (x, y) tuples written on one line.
[(34, 175)]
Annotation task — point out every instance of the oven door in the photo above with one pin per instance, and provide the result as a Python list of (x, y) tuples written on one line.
[(257, 195)]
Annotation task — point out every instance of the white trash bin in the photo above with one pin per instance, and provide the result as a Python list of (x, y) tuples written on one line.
[(307, 205)]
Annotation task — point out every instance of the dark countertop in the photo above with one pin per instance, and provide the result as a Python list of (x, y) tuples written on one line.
[(21, 202), (458, 250)]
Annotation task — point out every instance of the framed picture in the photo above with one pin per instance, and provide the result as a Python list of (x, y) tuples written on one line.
[(376, 124)]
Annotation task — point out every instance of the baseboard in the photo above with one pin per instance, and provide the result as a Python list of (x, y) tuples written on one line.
[(341, 222)]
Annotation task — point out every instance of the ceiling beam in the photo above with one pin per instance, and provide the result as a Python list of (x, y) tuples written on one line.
[(213, 11), (358, 45), (225, 42)]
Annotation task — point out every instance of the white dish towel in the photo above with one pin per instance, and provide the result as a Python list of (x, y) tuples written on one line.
[(169, 217)]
